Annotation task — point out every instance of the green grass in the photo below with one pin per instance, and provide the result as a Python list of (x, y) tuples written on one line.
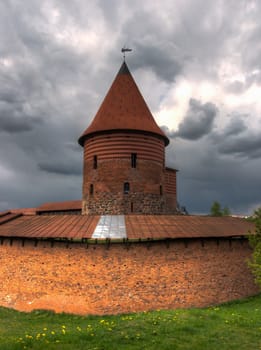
[(234, 325)]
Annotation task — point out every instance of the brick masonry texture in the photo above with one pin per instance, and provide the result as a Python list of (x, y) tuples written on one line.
[(123, 278), (152, 187)]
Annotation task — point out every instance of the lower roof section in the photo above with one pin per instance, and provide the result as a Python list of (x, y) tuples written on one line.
[(122, 226), (60, 206), (8, 216)]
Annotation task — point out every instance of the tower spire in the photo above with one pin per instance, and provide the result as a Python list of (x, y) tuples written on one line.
[(123, 108)]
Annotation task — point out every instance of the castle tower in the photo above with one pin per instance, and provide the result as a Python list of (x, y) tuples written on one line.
[(124, 156)]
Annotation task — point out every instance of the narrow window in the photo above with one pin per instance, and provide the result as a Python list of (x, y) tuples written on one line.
[(91, 189), (94, 162), (161, 192), (131, 207), (126, 188), (133, 160)]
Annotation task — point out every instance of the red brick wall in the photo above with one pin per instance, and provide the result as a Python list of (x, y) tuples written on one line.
[(148, 192), (171, 188), (114, 279)]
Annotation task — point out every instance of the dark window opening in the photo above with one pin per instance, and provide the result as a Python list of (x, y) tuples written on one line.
[(91, 189), (131, 207), (94, 162), (161, 191), (133, 160), (126, 187)]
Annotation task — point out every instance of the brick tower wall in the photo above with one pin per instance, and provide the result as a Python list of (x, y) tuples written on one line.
[(170, 189), (124, 173)]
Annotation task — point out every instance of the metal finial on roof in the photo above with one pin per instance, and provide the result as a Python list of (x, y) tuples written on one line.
[(125, 49)]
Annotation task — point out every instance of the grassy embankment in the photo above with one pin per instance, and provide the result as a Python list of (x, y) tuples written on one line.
[(230, 326)]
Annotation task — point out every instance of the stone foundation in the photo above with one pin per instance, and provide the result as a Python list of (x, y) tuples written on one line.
[(138, 203)]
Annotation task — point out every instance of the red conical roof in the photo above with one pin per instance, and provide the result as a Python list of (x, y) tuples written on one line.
[(123, 109)]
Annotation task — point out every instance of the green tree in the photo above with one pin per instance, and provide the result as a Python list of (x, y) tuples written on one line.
[(255, 242), (215, 209), (226, 211)]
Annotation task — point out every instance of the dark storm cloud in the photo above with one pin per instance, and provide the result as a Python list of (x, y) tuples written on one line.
[(7, 94), (212, 168), (16, 123), (247, 146), (235, 127), (176, 35), (237, 140), (55, 149), (238, 87), (205, 176), (153, 42), (153, 56), (16, 115), (251, 39), (197, 122), (66, 167)]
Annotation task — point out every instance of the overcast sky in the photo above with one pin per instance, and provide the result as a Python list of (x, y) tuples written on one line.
[(196, 62)]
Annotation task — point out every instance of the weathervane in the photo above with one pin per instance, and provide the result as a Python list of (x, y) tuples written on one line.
[(125, 49)]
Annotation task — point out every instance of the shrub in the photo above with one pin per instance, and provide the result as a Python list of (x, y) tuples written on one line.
[(255, 242)]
